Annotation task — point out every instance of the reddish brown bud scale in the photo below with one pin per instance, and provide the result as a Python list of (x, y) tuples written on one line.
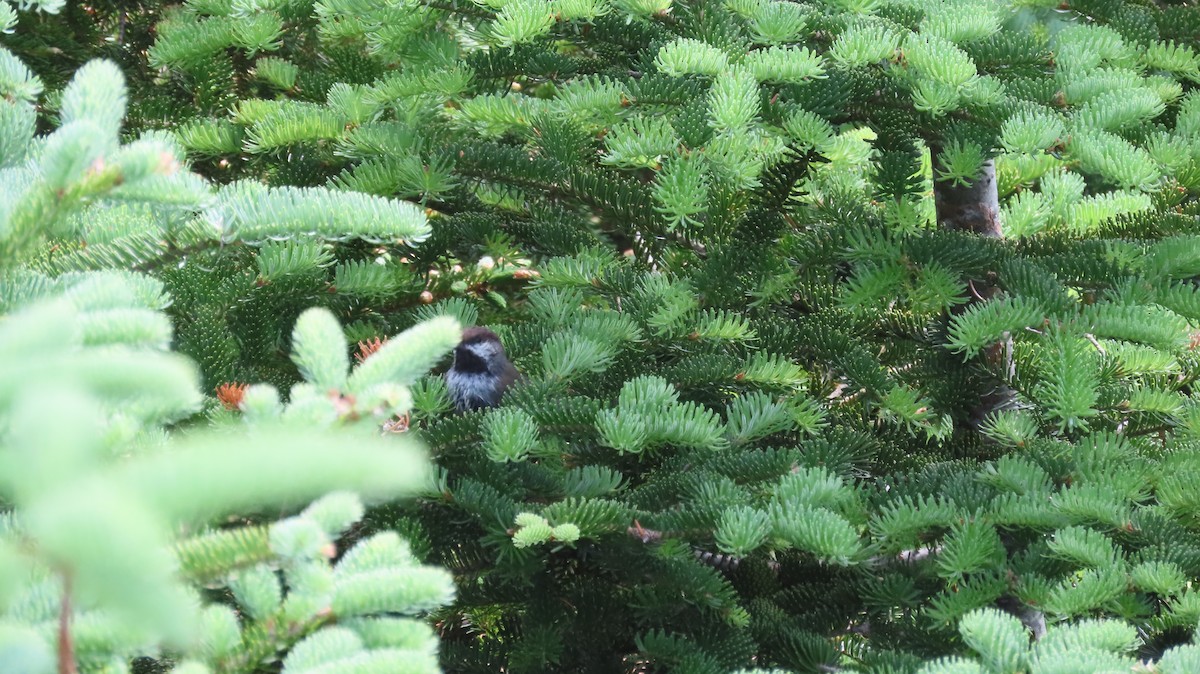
[(368, 347), (231, 394)]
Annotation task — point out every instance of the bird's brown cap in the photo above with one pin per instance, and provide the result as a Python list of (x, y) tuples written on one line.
[(478, 334)]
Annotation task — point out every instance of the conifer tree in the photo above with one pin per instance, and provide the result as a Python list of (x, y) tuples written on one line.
[(718, 238), (129, 530)]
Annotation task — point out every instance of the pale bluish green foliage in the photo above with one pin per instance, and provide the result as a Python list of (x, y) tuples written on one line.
[(681, 189), (104, 496), (825, 534), (255, 213), (277, 71), (535, 530), (510, 434), (785, 196), (521, 21), (410, 355), (81, 161), (1001, 644), (107, 511), (1012, 428), (315, 342), (961, 163), (640, 142), (1097, 69), (733, 101), (376, 389), (252, 31), (66, 183), (784, 64), (864, 43), (741, 530), (8, 17), (566, 356), (1069, 390), (755, 416), (649, 413), (810, 509), (689, 56)]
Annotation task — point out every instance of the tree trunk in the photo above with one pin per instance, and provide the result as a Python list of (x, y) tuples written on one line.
[(976, 208), (971, 208)]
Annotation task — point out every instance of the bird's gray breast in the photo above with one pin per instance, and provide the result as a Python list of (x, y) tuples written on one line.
[(472, 390)]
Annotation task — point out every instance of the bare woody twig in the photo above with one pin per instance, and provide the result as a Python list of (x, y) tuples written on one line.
[(66, 649)]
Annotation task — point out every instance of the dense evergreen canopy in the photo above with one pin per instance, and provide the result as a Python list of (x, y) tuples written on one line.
[(859, 335)]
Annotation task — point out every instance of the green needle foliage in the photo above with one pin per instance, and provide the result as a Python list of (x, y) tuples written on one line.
[(127, 528), (859, 335)]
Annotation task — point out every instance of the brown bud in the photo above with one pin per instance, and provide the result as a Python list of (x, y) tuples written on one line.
[(231, 393)]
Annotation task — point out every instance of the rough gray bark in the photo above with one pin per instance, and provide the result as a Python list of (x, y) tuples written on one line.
[(976, 208), (970, 208)]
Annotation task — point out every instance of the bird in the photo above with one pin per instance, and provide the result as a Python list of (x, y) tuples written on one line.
[(481, 371)]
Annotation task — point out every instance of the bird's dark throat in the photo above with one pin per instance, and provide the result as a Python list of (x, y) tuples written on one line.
[(467, 362)]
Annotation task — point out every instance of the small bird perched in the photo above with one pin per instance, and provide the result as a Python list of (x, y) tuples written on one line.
[(481, 371)]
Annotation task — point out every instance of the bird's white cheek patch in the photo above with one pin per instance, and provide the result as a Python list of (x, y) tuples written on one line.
[(484, 351)]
